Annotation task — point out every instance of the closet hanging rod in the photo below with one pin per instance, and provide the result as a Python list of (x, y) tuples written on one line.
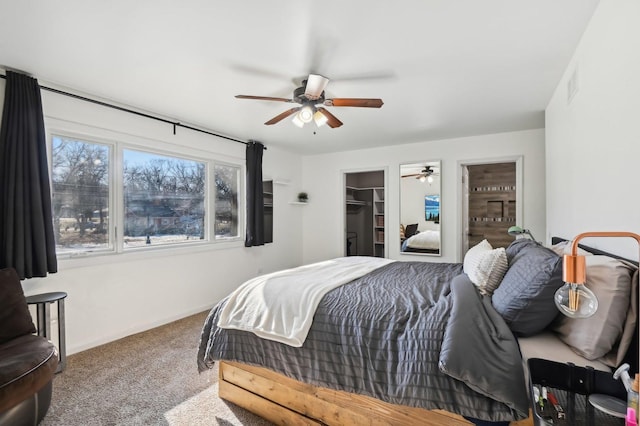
[(175, 124)]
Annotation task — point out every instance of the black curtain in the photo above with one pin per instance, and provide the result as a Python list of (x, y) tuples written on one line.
[(255, 202), (26, 228)]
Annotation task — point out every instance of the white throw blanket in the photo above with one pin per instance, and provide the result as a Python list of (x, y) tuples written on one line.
[(425, 240), (280, 306)]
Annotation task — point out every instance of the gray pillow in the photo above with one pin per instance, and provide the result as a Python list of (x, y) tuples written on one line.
[(594, 337), (525, 297)]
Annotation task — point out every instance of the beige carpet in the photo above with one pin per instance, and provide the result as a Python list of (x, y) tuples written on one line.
[(149, 378)]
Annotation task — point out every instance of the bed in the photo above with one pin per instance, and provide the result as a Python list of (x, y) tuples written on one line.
[(422, 242), (432, 350)]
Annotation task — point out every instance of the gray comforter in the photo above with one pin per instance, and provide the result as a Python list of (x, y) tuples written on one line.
[(409, 333)]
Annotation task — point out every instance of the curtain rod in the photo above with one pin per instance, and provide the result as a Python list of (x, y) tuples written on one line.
[(175, 124)]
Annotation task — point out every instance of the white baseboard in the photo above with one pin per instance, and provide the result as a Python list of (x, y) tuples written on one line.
[(138, 328)]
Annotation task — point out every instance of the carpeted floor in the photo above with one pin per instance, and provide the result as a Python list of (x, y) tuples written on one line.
[(149, 378)]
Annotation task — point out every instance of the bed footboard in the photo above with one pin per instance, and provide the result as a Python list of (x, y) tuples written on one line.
[(285, 401)]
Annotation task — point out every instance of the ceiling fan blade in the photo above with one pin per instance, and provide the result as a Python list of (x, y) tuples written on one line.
[(412, 175), (332, 121), (315, 86), (264, 98), (282, 116), (354, 102)]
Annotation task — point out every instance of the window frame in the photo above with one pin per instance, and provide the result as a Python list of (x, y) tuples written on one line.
[(111, 233), (116, 144), (240, 192)]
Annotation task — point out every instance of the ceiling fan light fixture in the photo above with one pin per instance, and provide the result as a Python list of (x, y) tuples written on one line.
[(306, 114), (422, 178), (430, 179), (308, 96), (320, 118), (296, 120)]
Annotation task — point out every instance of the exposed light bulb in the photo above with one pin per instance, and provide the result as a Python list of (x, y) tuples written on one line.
[(575, 300)]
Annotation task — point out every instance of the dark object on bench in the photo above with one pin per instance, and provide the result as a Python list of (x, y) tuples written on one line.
[(572, 386), (27, 362)]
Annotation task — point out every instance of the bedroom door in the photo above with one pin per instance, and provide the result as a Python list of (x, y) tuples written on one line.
[(491, 202), (364, 217)]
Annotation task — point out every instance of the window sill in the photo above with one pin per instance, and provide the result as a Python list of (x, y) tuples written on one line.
[(142, 253)]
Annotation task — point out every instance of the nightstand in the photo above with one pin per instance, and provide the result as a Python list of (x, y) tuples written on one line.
[(43, 320)]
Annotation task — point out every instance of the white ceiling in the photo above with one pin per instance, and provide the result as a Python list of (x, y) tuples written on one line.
[(444, 68)]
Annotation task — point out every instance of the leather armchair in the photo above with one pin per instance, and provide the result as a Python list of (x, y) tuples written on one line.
[(27, 362)]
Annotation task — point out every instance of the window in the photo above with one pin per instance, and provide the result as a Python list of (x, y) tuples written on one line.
[(163, 199), (80, 180), (226, 220), (156, 199)]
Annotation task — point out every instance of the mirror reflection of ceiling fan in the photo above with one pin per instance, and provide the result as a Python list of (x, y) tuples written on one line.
[(309, 96), (425, 175)]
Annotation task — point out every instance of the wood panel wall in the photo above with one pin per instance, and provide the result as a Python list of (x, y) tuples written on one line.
[(492, 203)]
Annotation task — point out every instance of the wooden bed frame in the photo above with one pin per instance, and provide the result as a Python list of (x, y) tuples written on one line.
[(285, 401)]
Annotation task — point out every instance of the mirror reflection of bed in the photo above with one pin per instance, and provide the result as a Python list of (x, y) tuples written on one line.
[(420, 208)]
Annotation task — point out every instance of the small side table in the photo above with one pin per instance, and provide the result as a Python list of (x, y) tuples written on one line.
[(43, 302)]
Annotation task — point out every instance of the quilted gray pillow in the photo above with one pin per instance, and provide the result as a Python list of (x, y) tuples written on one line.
[(525, 296)]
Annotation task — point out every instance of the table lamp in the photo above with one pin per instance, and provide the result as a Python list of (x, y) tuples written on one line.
[(517, 230), (574, 299)]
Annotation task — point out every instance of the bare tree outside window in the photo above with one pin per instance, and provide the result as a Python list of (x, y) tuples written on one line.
[(226, 203), (163, 199), (80, 177)]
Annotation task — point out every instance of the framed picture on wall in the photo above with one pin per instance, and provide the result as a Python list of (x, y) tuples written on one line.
[(432, 208)]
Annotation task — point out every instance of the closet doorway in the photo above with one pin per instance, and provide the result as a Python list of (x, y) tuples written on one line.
[(365, 213), (491, 201)]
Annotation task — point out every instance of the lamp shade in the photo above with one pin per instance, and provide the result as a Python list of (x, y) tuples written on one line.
[(296, 120), (320, 118), (306, 114), (517, 230)]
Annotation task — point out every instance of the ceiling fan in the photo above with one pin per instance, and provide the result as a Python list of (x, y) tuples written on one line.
[(425, 174), (309, 96)]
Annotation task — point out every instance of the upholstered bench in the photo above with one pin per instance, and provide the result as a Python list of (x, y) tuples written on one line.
[(27, 362)]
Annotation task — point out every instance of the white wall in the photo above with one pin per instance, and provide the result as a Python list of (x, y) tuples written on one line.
[(593, 142), (113, 296), (323, 179)]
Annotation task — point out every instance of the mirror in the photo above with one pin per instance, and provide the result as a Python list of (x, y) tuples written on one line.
[(420, 208)]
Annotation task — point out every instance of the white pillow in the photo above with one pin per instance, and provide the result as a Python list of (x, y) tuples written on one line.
[(486, 266), (474, 254)]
